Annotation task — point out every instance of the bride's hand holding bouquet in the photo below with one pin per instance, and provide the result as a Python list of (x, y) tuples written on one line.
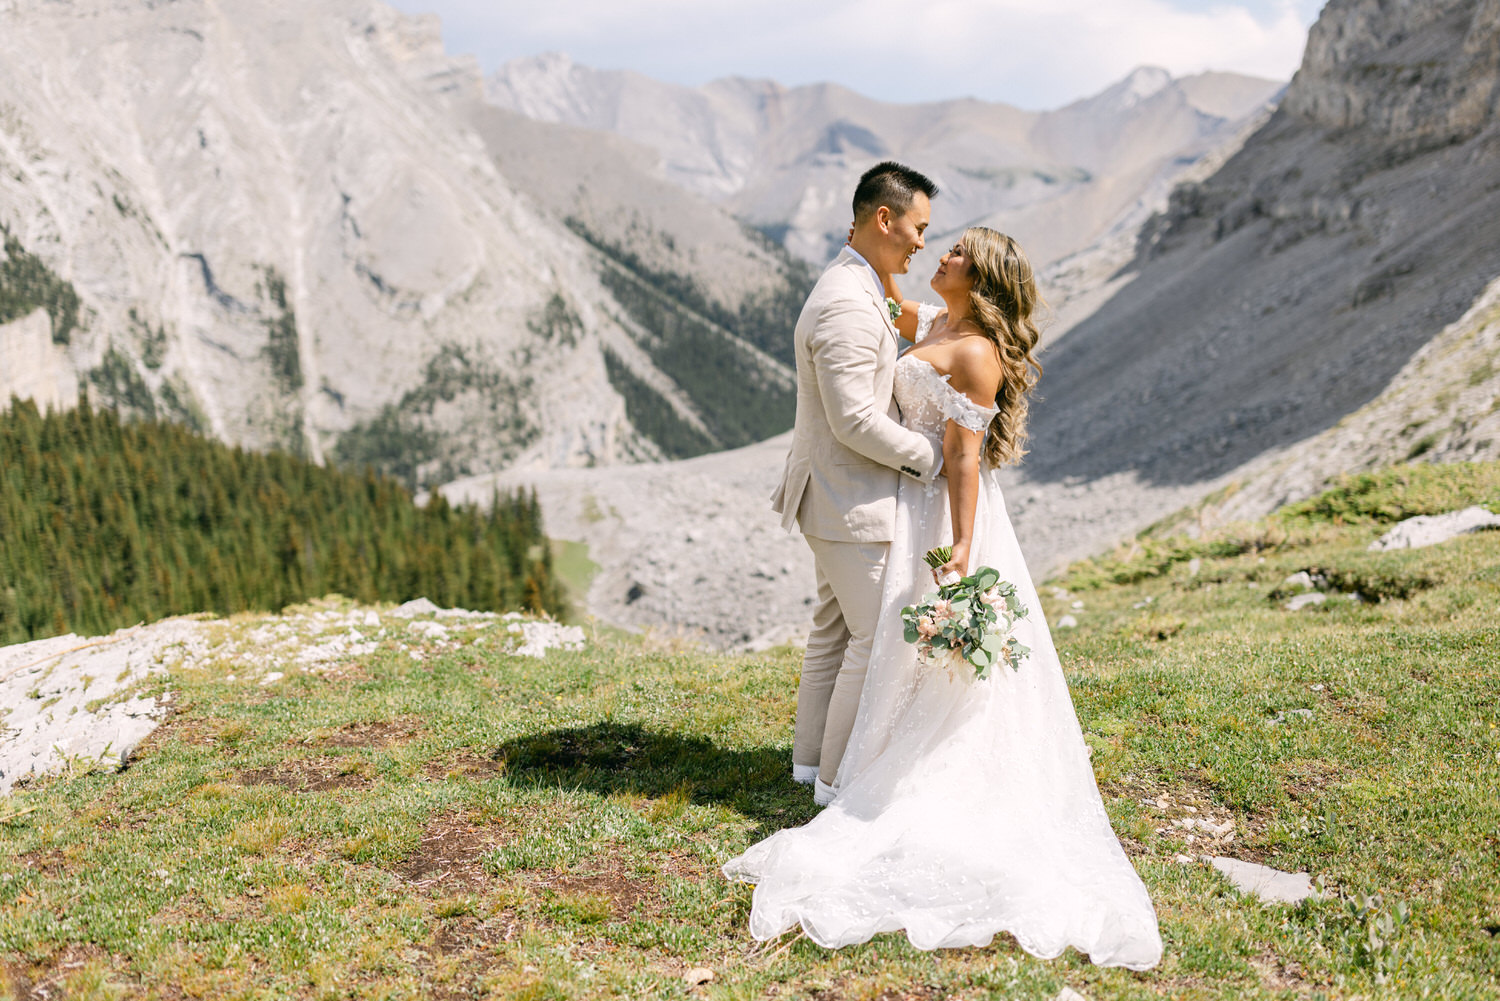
[(968, 621)]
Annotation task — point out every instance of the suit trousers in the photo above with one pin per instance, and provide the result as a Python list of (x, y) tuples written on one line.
[(849, 578)]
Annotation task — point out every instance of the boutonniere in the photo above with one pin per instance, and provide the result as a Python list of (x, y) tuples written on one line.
[(893, 307)]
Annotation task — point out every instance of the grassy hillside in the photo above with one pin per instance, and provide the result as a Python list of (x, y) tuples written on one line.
[(470, 824)]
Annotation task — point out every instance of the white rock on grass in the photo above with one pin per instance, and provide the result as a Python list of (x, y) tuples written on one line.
[(539, 637), (64, 700), (415, 607), (61, 696), (431, 630), (1431, 529), (1272, 886), (1068, 622), (1302, 601)]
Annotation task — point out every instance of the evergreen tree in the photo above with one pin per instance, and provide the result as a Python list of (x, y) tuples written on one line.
[(104, 524)]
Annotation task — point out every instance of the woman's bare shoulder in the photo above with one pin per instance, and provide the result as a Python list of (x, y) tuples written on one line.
[(975, 366)]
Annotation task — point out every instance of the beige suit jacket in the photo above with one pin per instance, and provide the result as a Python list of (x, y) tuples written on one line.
[(849, 449)]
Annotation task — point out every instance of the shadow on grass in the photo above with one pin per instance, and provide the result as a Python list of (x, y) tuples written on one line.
[(608, 758)]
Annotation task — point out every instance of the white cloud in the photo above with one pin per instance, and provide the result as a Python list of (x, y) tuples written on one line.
[(1022, 51)]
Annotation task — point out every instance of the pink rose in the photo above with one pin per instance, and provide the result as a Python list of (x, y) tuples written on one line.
[(926, 628), (942, 610)]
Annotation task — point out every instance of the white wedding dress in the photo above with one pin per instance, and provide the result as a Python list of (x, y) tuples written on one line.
[(964, 808)]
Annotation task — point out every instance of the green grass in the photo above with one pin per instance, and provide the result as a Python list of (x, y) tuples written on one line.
[(477, 825), (572, 566)]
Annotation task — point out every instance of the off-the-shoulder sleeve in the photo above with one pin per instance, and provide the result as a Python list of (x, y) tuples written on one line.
[(926, 313), (955, 406), (964, 412)]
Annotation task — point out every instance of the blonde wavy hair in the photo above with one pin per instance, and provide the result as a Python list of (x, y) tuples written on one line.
[(1002, 302)]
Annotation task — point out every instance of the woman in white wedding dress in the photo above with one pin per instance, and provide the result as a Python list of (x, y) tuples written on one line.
[(964, 808)]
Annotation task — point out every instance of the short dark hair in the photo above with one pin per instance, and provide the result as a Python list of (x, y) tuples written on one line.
[(890, 184)]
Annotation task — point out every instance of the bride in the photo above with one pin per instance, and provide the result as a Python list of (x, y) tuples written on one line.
[(963, 808)]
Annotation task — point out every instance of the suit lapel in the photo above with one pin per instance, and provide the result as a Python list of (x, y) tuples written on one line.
[(878, 298), (857, 266), (885, 314)]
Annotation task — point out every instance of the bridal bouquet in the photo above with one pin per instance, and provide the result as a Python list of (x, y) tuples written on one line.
[(968, 621)]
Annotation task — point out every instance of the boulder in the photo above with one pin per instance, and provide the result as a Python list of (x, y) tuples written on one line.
[(1431, 529), (1272, 886)]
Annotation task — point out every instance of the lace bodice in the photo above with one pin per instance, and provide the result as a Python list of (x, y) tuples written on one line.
[(928, 402)]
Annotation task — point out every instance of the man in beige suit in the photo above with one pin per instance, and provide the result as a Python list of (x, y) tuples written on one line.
[(848, 452)]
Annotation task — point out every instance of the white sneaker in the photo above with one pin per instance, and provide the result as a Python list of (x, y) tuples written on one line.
[(822, 793), (804, 774)]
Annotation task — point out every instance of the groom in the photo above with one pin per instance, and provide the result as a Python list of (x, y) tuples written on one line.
[(848, 452)]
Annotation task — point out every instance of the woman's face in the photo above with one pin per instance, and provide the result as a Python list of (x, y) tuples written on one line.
[(954, 273)]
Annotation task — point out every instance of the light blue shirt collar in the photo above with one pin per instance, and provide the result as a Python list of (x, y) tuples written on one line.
[(879, 288)]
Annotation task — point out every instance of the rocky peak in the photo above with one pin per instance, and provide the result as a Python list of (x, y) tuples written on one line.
[(1143, 82), (549, 87), (1426, 70), (414, 42)]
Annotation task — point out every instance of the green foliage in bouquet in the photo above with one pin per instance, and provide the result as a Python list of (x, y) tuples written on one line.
[(971, 619)]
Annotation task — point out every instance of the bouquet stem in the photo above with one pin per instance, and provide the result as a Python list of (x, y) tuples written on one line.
[(937, 557)]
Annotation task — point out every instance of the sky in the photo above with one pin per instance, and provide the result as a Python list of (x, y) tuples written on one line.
[(1036, 54)]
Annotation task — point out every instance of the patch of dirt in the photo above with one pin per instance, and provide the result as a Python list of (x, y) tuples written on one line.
[(1277, 974), (916, 992), (1306, 778), (49, 863), (18, 981), (466, 764), (1190, 821), (174, 725), (310, 775), (622, 891), (680, 863), (450, 856), (380, 733), (45, 981), (456, 936)]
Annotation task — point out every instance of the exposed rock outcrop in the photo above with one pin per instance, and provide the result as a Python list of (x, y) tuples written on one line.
[(1290, 288)]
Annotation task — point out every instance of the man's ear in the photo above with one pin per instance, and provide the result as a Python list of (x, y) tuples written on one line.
[(883, 218)]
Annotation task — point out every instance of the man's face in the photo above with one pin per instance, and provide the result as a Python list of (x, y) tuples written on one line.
[(904, 233)]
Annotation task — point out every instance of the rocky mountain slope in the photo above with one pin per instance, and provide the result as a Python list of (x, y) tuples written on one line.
[(785, 159), (1443, 406), (1289, 289), (285, 223)]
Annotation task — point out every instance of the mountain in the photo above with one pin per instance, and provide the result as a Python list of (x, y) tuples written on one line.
[(786, 159), (1289, 289), (291, 224)]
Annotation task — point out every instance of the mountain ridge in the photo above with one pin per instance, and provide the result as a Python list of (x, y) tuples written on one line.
[(785, 158)]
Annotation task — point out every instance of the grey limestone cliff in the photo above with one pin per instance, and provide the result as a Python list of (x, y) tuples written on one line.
[(1289, 288)]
